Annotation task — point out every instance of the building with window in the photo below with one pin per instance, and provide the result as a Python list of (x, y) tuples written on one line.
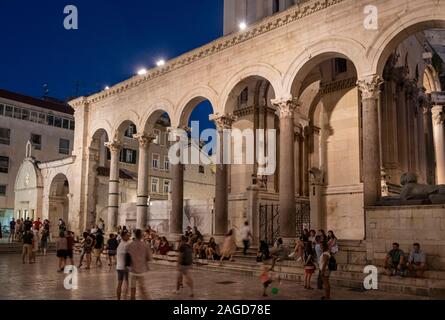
[(47, 124)]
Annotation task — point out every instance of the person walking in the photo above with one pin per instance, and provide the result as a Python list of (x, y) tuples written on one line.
[(246, 236), (309, 265), (11, 230), (139, 254), (87, 248), (35, 245), (44, 240), (61, 250), (27, 246), (98, 248), (112, 245), (70, 247), (325, 272), (185, 262), (229, 246), (121, 268)]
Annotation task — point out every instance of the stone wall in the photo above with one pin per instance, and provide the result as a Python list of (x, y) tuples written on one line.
[(406, 225)]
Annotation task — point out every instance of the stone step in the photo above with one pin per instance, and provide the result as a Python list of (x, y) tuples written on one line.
[(350, 276), (18, 247)]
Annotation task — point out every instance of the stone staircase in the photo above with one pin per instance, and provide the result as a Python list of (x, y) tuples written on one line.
[(16, 248), (351, 261)]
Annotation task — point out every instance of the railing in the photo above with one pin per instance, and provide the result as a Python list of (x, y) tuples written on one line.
[(269, 216)]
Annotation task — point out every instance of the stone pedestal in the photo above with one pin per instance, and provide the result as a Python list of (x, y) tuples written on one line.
[(113, 191), (370, 89)]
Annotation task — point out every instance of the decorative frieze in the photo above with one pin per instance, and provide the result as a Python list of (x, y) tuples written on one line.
[(338, 85)]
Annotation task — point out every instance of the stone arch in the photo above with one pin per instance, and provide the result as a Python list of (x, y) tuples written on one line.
[(120, 129), (59, 200), (191, 100), (101, 125), (260, 70), (430, 80), (321, 51), (431, 16), (154, 112)]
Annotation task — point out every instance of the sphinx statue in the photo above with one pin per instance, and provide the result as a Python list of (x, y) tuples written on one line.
[(413, 193)]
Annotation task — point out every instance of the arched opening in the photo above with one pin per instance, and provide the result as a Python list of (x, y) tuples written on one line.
[(328, 145), (59, 202), (411, 67)]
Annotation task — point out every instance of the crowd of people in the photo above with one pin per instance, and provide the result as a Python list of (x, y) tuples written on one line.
[(314, 250)]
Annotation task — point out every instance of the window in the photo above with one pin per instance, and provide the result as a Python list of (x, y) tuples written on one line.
[(127, 156), (64, 146), (42, 118), (201, 169), (34, 116), (17, 113), (65, 124), (8, 111), (154, 185), (58, 122), (72, 125), (36, 140), (166, 164), (130, 156), (2, 191), (341, 65), (276, 6), (243, 97), (2, 109), (50, 120), (25, 114), (155, 161), (166, 188), (130, 131), (157, 133), (4, 164), (5, 136)]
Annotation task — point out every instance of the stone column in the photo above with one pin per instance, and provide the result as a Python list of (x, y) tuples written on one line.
[(286, 108), (439, 141), (142, 206), (113, 189), (370, 90), (428, 140), (222, 122)]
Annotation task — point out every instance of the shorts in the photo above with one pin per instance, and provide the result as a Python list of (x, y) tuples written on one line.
[(184, 270), (135, 279), (309, 270), (61, 253), (111, 253), (69, 254), (97, 252), (122, 275), (267, 283), (27, 249)]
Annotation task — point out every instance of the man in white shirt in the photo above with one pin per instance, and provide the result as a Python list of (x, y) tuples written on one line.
[(122, 270), (246, 236)]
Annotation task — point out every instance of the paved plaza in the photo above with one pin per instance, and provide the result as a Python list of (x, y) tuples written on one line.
[(41, 281)]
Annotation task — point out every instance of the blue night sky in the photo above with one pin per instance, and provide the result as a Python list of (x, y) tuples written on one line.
[(114, 40)]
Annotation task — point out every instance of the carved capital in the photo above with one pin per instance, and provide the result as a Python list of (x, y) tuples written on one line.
[(223, 121), (370, 87), (114, 145), (286, 106), (176, 133), (144, 139), (438, 115)]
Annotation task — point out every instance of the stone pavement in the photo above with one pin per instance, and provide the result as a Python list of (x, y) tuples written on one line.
[(41, 281)]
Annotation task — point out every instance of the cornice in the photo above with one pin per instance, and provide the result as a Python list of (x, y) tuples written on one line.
[(294, 13)]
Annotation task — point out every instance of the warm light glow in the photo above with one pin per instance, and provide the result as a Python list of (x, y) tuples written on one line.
[(107, 88), (243, 26), (141, 72), (160, 63)]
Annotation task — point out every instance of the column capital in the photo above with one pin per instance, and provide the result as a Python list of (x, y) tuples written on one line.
[(144, 139), (438, 115), (113, 145), (286, 106), (370, 86), (223, 121), (175, 133)]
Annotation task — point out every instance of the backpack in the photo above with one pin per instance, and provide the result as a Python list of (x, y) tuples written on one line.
[(332, 264)]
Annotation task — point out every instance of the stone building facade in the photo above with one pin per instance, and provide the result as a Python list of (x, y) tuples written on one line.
[(354, 107)]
